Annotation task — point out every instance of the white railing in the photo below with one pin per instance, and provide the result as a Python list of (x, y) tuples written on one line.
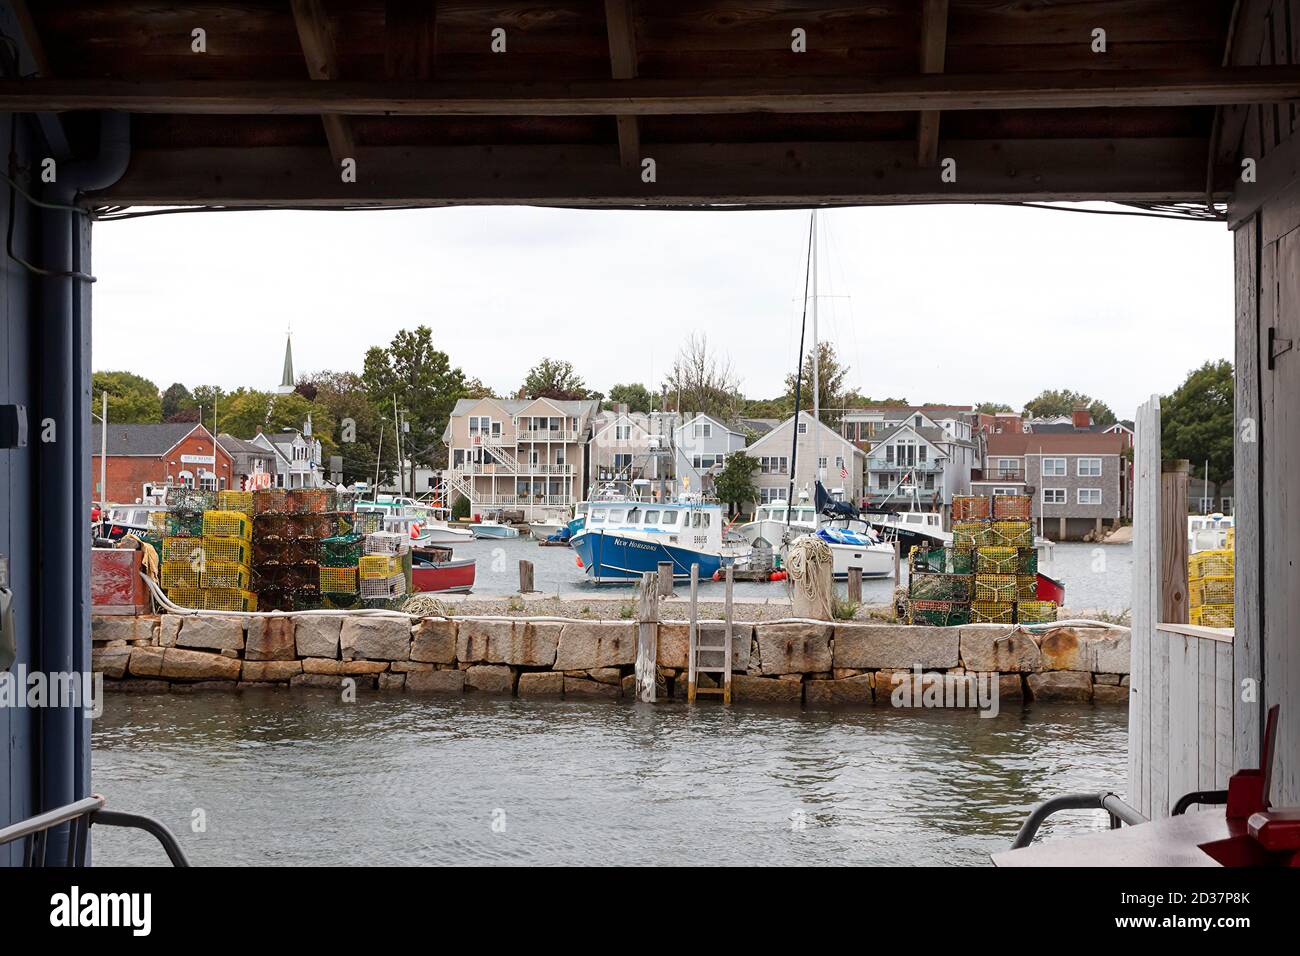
[(563, 434), (501, 470), (520, 501)]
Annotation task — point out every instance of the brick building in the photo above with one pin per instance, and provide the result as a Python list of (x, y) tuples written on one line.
[(146, 457)]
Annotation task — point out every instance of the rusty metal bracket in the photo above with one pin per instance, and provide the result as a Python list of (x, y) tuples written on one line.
[(1276, 347)]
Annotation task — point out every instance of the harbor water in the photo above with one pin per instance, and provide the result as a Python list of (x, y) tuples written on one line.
[(1096, 576), (301, 778)]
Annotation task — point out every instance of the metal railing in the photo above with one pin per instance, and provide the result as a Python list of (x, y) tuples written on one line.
[(80, 817), (876, 463), (1119, 811), (565, 435)]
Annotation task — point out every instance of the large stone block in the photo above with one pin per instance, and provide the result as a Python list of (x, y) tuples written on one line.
[(178, 664), (112, 661), (271, 670), (434, 641), (586, 645), (674, 643), (748, 689), (794, 648), (169, 625), (212, 633), (123, 628), (1061, 686), (1111, 651), (578, 687), (320, 681), (316, 636), (540, 684), (375, 638), (999, 647), (520, 643), (145, 661), (489, 678), (1109, 694), (845, 692), (435, 682), (894, 646), (391, 681), (270, 639)]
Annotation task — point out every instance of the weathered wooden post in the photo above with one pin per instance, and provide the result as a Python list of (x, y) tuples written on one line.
[(693, 636), (665, 579), (855, 585), (647, 639), (525, 577), (1173, 541), (726, 617), (897, 566)]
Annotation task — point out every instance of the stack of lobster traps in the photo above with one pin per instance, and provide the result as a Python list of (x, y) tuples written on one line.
[(989, 574), (289, 525), (206, 550), (1211, 587), (384, 570)]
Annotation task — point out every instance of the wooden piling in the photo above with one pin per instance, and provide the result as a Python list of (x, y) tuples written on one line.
[(693, 631), (647, 639), (525, 577), (665, 579), (897, 566), (855, 585), (727, 619)]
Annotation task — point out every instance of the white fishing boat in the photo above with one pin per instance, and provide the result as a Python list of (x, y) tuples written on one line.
[(775, 521), (1208, 532), (622, 540), (494, 529), (541, 530)]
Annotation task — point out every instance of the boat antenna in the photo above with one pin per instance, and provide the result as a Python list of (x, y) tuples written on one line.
[(798, 373)]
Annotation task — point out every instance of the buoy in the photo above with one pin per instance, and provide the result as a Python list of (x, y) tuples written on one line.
[(717, 575), (415, 530), (577, 560), (777, 576)]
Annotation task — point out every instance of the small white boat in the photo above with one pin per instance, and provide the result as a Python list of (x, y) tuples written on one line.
[(770, 524), (1208, 532), (494, 529), (439, 532), (855, 548), (541, 530)]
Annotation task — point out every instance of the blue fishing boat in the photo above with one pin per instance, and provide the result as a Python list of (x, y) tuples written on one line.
[(621, 540)]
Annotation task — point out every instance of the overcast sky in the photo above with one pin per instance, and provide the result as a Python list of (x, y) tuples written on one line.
[(957, 304)]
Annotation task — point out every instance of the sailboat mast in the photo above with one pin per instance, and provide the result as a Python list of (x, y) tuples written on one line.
[(798, 377), (816, 369)]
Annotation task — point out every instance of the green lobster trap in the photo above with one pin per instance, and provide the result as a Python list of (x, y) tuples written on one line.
[(996, 560), (961, 560), (938, 613), (1028, 561), (1036, 612), (1011, 534), (927, 560), (176, 524), (992, 612), (190, 500), (939, 587), (995, 588), (341, 551), (970, 534)]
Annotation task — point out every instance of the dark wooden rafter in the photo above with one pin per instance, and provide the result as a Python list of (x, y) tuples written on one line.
[(781, 174), (622, 59), (30, 59), (1246, 36), (934, 42), (322, 64), (648, 97)]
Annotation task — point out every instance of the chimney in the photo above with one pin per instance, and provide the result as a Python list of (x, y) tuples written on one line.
[(1082, 418)]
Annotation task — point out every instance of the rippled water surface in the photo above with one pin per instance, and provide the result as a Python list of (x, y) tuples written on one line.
[(296, 777)]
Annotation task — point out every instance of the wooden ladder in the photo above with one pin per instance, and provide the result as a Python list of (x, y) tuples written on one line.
[(696, 650)]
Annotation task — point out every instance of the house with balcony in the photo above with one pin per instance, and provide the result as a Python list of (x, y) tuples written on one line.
[(1079, 481), (297, 457), (839, 464), (701, 445), (527, 455)]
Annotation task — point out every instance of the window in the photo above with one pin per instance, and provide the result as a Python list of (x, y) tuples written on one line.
[(929, 482), (1054, 468), (695, 520), (917, 421), (616, 514), (703, 430), (802, 428), (622, 432), (597, 516), (707, 519), (920, 453), (1089, 496), (1053, 496), (1089, 467), (889, 454), (1005, 491), (821, 463), (208, 481), (652, 517), (773, 466), (882, 481), (670, 517), (766, 495)]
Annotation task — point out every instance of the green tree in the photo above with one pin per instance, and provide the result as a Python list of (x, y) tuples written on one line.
[(554, 378), (177, 401), (475, 388), (993, 408), (343, 399), (735, 482), (855, 399), (635, 396), (780, 408), (425, 384), (1052, 403), (1196, 421), (831, 374), (132, 399)]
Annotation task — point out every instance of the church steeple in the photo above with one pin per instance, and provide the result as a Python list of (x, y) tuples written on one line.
[(287, 384)]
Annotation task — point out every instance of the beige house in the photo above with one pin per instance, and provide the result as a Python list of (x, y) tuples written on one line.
[(628, 447), (524, 455), (840, 464)]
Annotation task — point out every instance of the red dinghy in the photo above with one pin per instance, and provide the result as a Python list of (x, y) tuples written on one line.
[(428, 576)]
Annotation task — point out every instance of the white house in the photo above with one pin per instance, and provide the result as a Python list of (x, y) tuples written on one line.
[(297, 457), (702, 444), (840, 464)]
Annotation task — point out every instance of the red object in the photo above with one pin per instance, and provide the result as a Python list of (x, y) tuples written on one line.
[(94, 514), (778, 576), (115, 583), (415, 530), (1050, 589), (717, 575), (128, 474), (443, 576), (579, 561)]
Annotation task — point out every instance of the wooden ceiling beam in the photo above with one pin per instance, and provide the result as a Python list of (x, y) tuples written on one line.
[(934, 43), (648, 97), (318, 48), (622, 59), (409, 30), (793, 174)]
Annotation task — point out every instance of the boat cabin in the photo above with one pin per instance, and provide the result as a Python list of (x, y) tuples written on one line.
[(689, 524)]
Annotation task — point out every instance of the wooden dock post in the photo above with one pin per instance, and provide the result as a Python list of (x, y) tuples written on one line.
[(525, 577), (647, 639), (694, 635), (897, 566), (727, 619), (1173, 542), (665, 579), (855, 585)]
